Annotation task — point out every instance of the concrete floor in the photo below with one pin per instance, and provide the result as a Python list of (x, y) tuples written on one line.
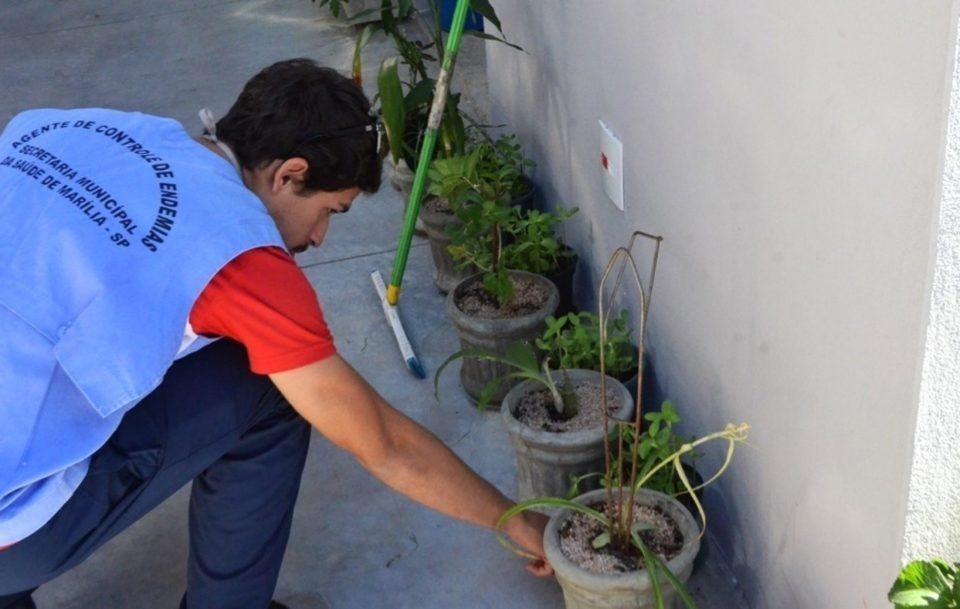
[(355, 544)]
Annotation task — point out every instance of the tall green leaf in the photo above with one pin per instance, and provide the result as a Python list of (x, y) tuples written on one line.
[(391, 104), (486, 11), (362, 41)]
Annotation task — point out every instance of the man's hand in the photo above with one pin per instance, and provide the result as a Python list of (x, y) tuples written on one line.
[(526, 530)]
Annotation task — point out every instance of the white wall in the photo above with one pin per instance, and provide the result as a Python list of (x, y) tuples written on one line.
[(790, 154), (932, 525)]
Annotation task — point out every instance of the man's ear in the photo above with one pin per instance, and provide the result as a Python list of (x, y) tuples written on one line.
[(291, 172)]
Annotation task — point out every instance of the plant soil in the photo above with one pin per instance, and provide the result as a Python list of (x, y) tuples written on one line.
[(536, 409), (528, 296), (579, 531), (437, 205)]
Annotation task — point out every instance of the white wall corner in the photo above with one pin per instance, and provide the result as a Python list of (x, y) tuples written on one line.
[(932, 524)]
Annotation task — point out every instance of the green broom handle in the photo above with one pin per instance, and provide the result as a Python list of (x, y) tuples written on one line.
[(426, 151)]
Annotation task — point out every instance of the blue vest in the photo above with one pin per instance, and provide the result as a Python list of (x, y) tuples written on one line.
[(111, 224)]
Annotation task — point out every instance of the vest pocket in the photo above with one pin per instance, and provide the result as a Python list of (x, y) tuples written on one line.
[(46, 317)]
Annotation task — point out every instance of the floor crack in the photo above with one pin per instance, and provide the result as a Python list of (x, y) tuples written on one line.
[(359, 256)]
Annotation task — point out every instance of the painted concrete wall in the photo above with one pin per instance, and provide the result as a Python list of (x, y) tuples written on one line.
[(932, 525), (790, 154)]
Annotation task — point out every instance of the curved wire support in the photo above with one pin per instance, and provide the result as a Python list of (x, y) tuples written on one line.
[(621, 258)]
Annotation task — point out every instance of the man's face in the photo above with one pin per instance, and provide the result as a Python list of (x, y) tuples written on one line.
[(302, 219)]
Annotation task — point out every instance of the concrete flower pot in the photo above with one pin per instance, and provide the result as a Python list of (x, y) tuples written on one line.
[(401, 176), (446, 275), (563, 278), (546, 460), (495, 335), (527, 200), (583, 589), (401, 179)]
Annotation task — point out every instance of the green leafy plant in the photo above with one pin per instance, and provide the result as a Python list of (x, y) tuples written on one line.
[(406, 82), (532, 243), (497, 239), (523, 358), (625, 470), (930, 584), (491, 170), (478, 242), (405, 106), (654, 445), (573, 341), (619, 519), (493, 235)]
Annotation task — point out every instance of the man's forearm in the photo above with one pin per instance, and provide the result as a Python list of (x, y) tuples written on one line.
[(421, 467), (398, 451)]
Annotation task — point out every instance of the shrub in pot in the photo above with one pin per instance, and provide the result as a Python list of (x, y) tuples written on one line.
[(647, 539), (488, 176), (625, 546), (438, 220), (573, 341), (539, 250), (480, 242), (656, 442), (553, 417), (491, 312), (667, 532), (555, 445), (406, 82), (491, 169), (494, 238)]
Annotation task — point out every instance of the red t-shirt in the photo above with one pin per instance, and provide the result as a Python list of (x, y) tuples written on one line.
[(263, 300)]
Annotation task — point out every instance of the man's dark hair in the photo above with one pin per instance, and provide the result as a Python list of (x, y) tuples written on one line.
[(290, 102)]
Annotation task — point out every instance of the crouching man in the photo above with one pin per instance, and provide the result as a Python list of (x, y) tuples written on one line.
[(126, 248)]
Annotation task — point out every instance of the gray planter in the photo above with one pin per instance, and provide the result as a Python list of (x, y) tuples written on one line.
[(401, 178), (546, 460), (586, 590), (446, 275), (495, 335)]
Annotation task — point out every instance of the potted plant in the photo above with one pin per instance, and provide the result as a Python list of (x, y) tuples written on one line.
[(405, 84), (539, 250), (557, 445), (491, 311), (505, 302), (493, 238), (491, 173), (625, 546), (553, 417), (495, 170)]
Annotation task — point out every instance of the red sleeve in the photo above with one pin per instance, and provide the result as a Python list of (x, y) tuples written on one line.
[(263, 300)]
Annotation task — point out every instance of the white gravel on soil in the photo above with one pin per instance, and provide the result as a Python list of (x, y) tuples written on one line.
[(536, 409), (579, 531)]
